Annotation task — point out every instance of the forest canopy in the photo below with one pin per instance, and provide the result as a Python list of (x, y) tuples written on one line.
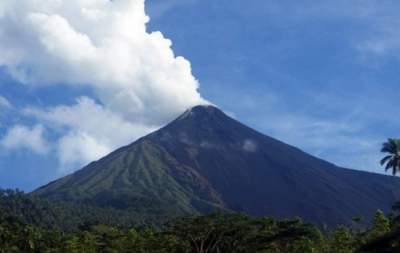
[(29, 224)]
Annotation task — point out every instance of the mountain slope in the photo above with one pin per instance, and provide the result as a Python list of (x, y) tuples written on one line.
[(205, 161)]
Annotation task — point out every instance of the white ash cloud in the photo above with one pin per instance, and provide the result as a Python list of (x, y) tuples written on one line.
[(137, 81)]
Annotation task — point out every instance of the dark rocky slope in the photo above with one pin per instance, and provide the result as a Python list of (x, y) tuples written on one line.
[(205, 161)]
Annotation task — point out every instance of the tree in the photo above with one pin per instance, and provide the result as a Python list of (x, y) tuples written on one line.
[(342, 241), (381, 225), (389, 243), (392, 160)]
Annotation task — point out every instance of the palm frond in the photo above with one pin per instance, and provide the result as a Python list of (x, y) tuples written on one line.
[(388, 147), (389, 165), (396, 166), (386, 159)]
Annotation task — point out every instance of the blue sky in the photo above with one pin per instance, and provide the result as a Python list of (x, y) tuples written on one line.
[(321, 76)]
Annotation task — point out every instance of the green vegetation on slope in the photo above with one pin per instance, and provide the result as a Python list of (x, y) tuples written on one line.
[(143, 178), (69, 216)]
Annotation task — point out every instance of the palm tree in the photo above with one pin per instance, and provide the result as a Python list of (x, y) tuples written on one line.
[(392, 160)]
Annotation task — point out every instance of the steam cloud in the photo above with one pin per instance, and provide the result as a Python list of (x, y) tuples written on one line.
[(137, 81)]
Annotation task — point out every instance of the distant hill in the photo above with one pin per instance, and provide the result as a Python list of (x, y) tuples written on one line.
[(206, 161)]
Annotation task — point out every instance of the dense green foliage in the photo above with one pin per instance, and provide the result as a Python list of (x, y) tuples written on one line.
[(68, 215), (29, 224)]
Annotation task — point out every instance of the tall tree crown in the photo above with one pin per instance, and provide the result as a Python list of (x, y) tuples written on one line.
[(392, 159)]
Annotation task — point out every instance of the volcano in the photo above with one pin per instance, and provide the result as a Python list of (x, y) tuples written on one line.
[(205, 161)]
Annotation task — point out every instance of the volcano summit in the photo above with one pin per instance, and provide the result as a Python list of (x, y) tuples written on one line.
[(206, 161)]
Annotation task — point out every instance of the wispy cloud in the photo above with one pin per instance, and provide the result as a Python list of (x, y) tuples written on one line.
[(373, 24), (335, 140), (159, 8), (385, 42), (22, 137), (4, 103), (333, 129)]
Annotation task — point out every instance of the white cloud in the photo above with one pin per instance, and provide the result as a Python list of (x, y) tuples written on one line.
[(385, 41), (90, 130), (4, 103), (249, 146), (101, 44), (137, 81), (27, 138), (78, 148)]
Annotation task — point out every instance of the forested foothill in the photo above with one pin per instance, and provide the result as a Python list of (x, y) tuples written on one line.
[(30, 224)]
